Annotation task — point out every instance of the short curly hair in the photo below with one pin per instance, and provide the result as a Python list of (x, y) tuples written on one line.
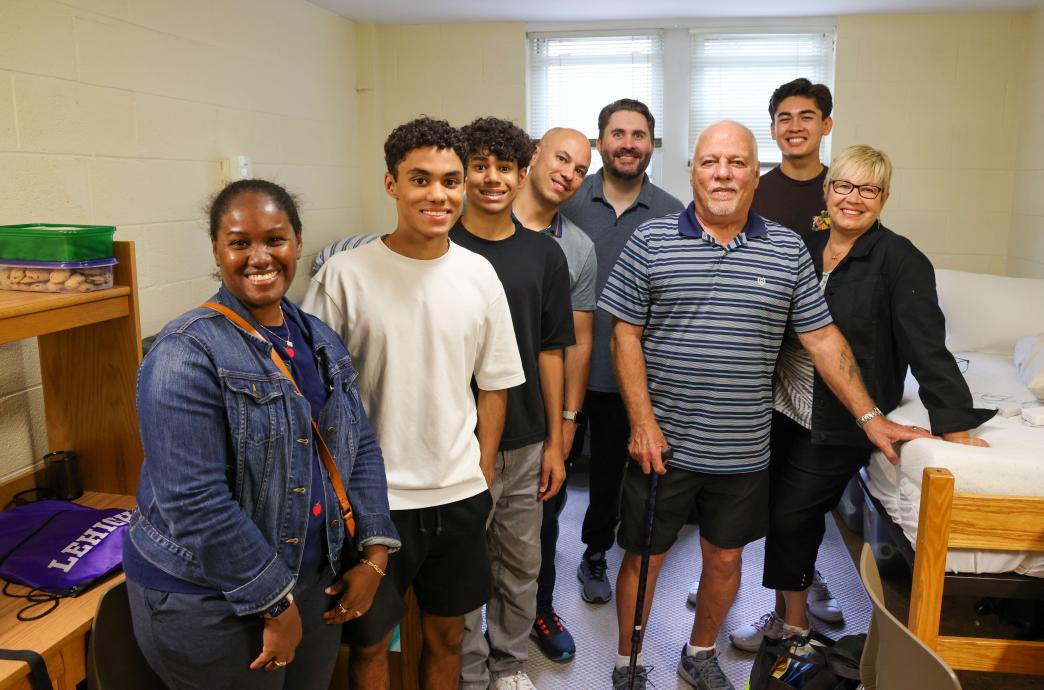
[(420, 133), (820, 93), (502, 138)]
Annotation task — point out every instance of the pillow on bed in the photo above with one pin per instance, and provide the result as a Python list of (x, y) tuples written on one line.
[(1029, 361), (987, 313)]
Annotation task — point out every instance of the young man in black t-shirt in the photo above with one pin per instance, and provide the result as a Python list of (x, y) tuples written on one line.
[(792, 194), (529, 466)]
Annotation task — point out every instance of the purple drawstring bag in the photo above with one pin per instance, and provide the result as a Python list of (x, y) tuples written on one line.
[(60, 547)]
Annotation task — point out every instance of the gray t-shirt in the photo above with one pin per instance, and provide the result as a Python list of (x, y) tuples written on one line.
[(590, 210), (580, 255)]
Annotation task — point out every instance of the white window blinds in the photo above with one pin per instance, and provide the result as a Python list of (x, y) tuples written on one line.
[(733, 75), (572, 77)]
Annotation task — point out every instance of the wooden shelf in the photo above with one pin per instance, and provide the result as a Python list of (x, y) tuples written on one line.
[(90, 349), (31, 314)]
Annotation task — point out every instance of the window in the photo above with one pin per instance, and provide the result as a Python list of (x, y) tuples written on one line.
[(688, 76), (733, 75), (573, 76)]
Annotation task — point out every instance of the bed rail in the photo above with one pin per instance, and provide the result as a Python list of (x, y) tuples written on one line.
[(971, 521)]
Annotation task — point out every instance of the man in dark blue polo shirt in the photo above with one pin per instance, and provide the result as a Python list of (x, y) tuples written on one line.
[(608, 207), (701, 300)]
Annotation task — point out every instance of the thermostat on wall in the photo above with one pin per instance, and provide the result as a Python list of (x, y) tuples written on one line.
[(236, 168)]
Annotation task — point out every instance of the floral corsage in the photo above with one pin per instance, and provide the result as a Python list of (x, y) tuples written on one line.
[(821, 222)]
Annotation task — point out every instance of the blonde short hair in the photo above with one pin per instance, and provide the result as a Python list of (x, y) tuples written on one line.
[(859, 160)]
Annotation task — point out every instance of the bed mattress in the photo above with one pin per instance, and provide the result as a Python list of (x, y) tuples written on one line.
[(1013, 464)]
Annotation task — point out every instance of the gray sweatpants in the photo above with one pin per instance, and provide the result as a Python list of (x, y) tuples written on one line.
[(195, 642), (513, 537)]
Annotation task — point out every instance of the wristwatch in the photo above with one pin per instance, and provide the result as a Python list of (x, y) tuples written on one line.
[(277, 608), (575, 416)]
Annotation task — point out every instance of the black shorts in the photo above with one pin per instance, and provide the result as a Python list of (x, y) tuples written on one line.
[(733, 508), (443, 557)]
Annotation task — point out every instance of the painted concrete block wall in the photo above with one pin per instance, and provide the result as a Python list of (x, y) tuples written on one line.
[(1026, 241), (942, 94), (456, 72), (117, 112)]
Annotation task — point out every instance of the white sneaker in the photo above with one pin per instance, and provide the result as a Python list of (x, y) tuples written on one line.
[(693, 591), (821, 603), (519, 681), (748, 638)]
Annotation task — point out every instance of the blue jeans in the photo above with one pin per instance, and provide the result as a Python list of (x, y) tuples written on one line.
[(196, 642)]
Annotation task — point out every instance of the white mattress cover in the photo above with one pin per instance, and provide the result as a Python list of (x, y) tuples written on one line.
[(1012, 465)]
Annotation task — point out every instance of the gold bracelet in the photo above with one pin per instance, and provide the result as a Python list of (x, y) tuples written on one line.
[(378, 569)]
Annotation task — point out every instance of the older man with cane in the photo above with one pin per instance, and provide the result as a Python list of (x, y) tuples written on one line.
[(701, 300)]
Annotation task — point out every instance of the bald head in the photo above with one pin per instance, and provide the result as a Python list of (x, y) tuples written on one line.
[(730, 128), (724, 173), (561, 160)]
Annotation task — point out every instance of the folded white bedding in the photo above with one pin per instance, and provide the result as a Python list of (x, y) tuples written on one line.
[(1012, 465)]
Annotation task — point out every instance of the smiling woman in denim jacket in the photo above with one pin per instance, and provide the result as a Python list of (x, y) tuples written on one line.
[(234, 554)]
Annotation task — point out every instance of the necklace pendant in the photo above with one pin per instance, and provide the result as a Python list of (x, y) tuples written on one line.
[(289, 349)]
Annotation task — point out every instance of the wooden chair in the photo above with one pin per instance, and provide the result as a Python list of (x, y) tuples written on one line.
[(893, 658), (970, 521), (114, 661)]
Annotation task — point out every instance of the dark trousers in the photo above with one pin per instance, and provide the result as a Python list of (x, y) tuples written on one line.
[(549, 528), (196, 642), (610, 432), (807, 481)]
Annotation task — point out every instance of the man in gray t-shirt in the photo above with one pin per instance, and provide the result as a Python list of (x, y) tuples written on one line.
[(608, 207), (558, 168)]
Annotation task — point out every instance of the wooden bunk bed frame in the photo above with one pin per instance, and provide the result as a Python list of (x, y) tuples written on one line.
[(970, 521)]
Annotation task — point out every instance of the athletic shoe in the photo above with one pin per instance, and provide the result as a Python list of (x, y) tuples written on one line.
[(594, 583), (748, 638), (821, 603), (694, 590), (641, 678), (519, 681), (551, 636), (702, 672)]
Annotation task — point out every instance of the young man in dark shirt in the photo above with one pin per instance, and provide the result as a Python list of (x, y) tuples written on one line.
[(792, 194), (529, 465)]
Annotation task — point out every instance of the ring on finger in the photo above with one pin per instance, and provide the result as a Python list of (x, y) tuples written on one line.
[(356, 613), (278, 663), (341, 610)]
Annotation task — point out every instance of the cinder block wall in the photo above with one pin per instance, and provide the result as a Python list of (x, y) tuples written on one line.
[(117, 112), (1026, 241), (943, 95)]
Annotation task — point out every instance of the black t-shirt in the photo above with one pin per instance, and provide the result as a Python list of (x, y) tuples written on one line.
[(535, 276), (791, 203)]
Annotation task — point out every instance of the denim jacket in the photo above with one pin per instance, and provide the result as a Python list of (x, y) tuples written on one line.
[(224, 489)]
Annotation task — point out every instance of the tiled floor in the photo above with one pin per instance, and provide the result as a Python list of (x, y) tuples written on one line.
[(594, 626)]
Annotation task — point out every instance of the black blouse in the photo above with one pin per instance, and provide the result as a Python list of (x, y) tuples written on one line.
[(882, 296)]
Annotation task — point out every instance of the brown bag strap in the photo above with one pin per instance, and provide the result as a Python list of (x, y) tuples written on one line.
[(324, 450)]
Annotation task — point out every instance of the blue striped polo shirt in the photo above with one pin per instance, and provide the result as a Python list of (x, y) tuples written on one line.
[(714, 317)]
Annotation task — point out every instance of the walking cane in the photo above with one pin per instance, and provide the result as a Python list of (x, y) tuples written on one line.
[(643, 571)]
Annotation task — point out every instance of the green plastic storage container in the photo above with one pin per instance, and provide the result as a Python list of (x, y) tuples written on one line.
[(55, 242)]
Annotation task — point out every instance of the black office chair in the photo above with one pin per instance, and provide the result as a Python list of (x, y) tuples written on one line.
[(114, 661), (894, 659)]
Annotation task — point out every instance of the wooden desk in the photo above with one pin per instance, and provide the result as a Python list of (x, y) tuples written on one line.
[(60, 636)]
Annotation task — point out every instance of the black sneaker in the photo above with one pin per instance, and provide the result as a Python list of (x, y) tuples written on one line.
[(551, 636), (594, 582)]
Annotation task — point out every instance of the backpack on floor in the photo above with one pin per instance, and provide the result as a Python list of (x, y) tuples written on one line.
[(814, 662)]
